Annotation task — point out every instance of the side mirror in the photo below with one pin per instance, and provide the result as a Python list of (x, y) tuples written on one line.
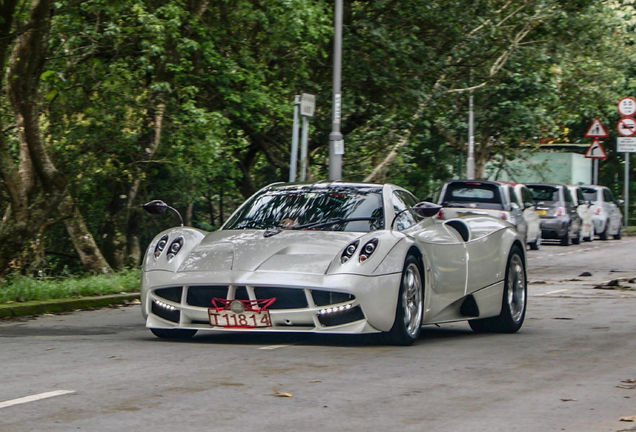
[(426, 209), (620, 202), (159, 207), (528, 205), (155, 207)]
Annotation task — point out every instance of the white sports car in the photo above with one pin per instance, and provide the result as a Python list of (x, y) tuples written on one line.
[(333, 257)]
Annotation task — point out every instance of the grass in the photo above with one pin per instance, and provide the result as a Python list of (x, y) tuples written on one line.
[(629, 230), (23, 288)]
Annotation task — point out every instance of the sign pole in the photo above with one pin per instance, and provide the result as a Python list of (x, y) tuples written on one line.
[(303, 149), (626, 194), (336, 143), (294, 145), (595, 180)]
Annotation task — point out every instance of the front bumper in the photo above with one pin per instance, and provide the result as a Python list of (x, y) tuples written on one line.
[(304, 303), (554, 228)]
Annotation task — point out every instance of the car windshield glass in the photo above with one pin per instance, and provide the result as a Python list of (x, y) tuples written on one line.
[(473, 194), (589, 194), (295, 207), (544, 193)]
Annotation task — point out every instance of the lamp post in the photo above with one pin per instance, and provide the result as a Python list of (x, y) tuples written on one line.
[(336, 143), (470, 162)]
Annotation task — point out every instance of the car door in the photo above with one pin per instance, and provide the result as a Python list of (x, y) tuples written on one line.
[(529, 213), (516, 211), (610, 207)]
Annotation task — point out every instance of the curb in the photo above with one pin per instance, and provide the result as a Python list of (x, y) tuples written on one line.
[(63, 305)]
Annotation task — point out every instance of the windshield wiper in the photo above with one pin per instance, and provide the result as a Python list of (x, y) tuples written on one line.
[(332, 222)]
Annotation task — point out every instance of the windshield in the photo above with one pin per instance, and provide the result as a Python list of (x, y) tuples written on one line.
[(294, 207), (544, 193), (590, 194)]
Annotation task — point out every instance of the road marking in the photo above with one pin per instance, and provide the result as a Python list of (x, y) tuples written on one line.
[(553, 292), (273, 347), (34, 398)]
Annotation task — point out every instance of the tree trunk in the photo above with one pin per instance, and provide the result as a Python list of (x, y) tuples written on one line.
[(92, 259)]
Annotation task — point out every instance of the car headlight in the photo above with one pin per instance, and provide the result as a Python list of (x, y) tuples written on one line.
[(161, 245), (349, 251), (368, 249), (175, 247)]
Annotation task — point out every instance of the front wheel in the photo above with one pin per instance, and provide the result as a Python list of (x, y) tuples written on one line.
[(566, 240), (603, 235), (174, 334), (513, 304), (619, 234), (410, 305)]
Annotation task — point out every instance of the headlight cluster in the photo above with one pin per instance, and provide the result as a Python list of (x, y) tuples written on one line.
[(173, 249), (365, 252)]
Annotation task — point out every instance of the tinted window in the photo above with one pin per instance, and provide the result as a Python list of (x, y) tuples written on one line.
[(608, 195), (568, 195), (589, 194), (472, 193), (292, 207), (402, 201), (526, 195), (544, 193), (513, 196), (579, 195)]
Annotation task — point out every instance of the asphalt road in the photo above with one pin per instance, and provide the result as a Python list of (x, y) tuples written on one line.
[(569, 368)]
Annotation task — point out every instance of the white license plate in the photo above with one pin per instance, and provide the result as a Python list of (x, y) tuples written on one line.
[(247, 319)]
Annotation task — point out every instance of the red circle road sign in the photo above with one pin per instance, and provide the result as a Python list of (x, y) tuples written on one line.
[(626, 126), (627, 106)]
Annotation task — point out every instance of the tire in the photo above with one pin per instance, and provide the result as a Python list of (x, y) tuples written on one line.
[(410, 305), (513, 303), (619, 234), (566, 240), (174, 334), (577, 240), (535, 245), (603, 235)]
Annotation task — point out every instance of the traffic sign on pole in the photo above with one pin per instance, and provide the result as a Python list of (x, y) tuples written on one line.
[(626, 145), (596, 130), (627, 106), (595, 151), (626, 126)]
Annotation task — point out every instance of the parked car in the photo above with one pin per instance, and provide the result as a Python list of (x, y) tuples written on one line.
[(583, 209), (557, 210), (334, 258), (460, 198), (533, 221), (606, 214)]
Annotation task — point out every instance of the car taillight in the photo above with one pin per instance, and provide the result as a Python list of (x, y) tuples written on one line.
[(560, 211), (503, 216), (597, 211), (440, 214)]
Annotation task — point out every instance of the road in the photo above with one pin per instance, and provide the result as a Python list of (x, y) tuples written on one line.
[(568, 369)]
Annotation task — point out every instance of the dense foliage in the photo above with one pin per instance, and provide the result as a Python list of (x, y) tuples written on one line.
[(108, 104)]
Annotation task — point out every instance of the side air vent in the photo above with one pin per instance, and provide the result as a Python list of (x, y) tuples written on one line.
[(173, 294), (326, 298)]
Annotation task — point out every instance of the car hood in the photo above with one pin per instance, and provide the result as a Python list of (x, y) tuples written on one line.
[(288, 251)]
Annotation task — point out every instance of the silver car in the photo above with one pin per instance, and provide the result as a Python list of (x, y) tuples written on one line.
[(583, 209), (557, 210), (606, 216)]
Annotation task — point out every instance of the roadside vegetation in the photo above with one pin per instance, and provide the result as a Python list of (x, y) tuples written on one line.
[(25, 288), (105, 105)]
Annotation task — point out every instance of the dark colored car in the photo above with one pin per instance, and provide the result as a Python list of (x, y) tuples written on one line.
[(557, 209)]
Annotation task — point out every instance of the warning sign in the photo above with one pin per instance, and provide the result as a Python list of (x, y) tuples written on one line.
[(596, 130), (626, 126), (595, 151)]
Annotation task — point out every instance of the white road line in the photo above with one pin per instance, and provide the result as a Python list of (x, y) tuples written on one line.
[(34, 398), (552, 292), (273, 347)]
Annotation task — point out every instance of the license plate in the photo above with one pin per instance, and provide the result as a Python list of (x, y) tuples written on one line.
[(541, 212), (231, 319)]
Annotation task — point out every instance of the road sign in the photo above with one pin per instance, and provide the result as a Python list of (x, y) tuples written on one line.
[(626, 126), (596, 130), (595, 151), (307, 105), (627, 106), (626, 145)]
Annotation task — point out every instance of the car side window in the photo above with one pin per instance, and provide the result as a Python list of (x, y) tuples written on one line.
[(608, 196), (579, 195), (568, 195), (402, 201), (526, 195), (514, 199)]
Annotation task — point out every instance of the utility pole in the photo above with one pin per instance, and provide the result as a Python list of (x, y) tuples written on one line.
[(336, 142), (293, 159), (470, 162)]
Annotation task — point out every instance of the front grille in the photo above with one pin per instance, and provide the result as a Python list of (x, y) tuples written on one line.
[(326, 298), (173, 293), (286, 298), (339, 318), (202, 295), (170, 315)]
